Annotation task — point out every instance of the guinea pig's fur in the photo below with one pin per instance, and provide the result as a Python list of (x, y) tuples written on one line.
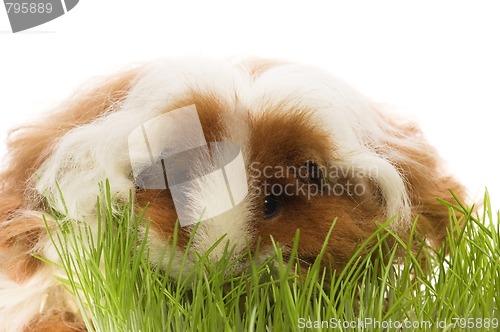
[(281, 115)]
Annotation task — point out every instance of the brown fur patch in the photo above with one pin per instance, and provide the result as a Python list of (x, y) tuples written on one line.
[(56, 321), (290, 139), (29, 145), (212, 110), (18, 239), (28, 148), (56, 314), (161, 214), (422, 167)]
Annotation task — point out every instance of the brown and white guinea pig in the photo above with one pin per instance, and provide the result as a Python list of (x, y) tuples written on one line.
[(297, 128)]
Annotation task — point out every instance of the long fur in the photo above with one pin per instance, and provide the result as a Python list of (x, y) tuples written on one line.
[(280, 114)]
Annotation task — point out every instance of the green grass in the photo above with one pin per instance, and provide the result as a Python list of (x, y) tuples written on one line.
[(457, 288)]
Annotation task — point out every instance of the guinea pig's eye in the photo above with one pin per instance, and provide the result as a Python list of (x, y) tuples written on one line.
[(272, 205)]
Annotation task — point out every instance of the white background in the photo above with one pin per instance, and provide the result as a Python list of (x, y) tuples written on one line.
[(437, 61)]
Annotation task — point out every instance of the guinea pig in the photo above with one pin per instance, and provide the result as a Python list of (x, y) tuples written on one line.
[(295, 147)]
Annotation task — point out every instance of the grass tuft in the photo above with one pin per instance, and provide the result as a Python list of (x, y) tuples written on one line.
[(454, 287)]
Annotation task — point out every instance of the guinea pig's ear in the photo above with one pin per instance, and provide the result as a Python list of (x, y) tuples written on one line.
[(426, 179)]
